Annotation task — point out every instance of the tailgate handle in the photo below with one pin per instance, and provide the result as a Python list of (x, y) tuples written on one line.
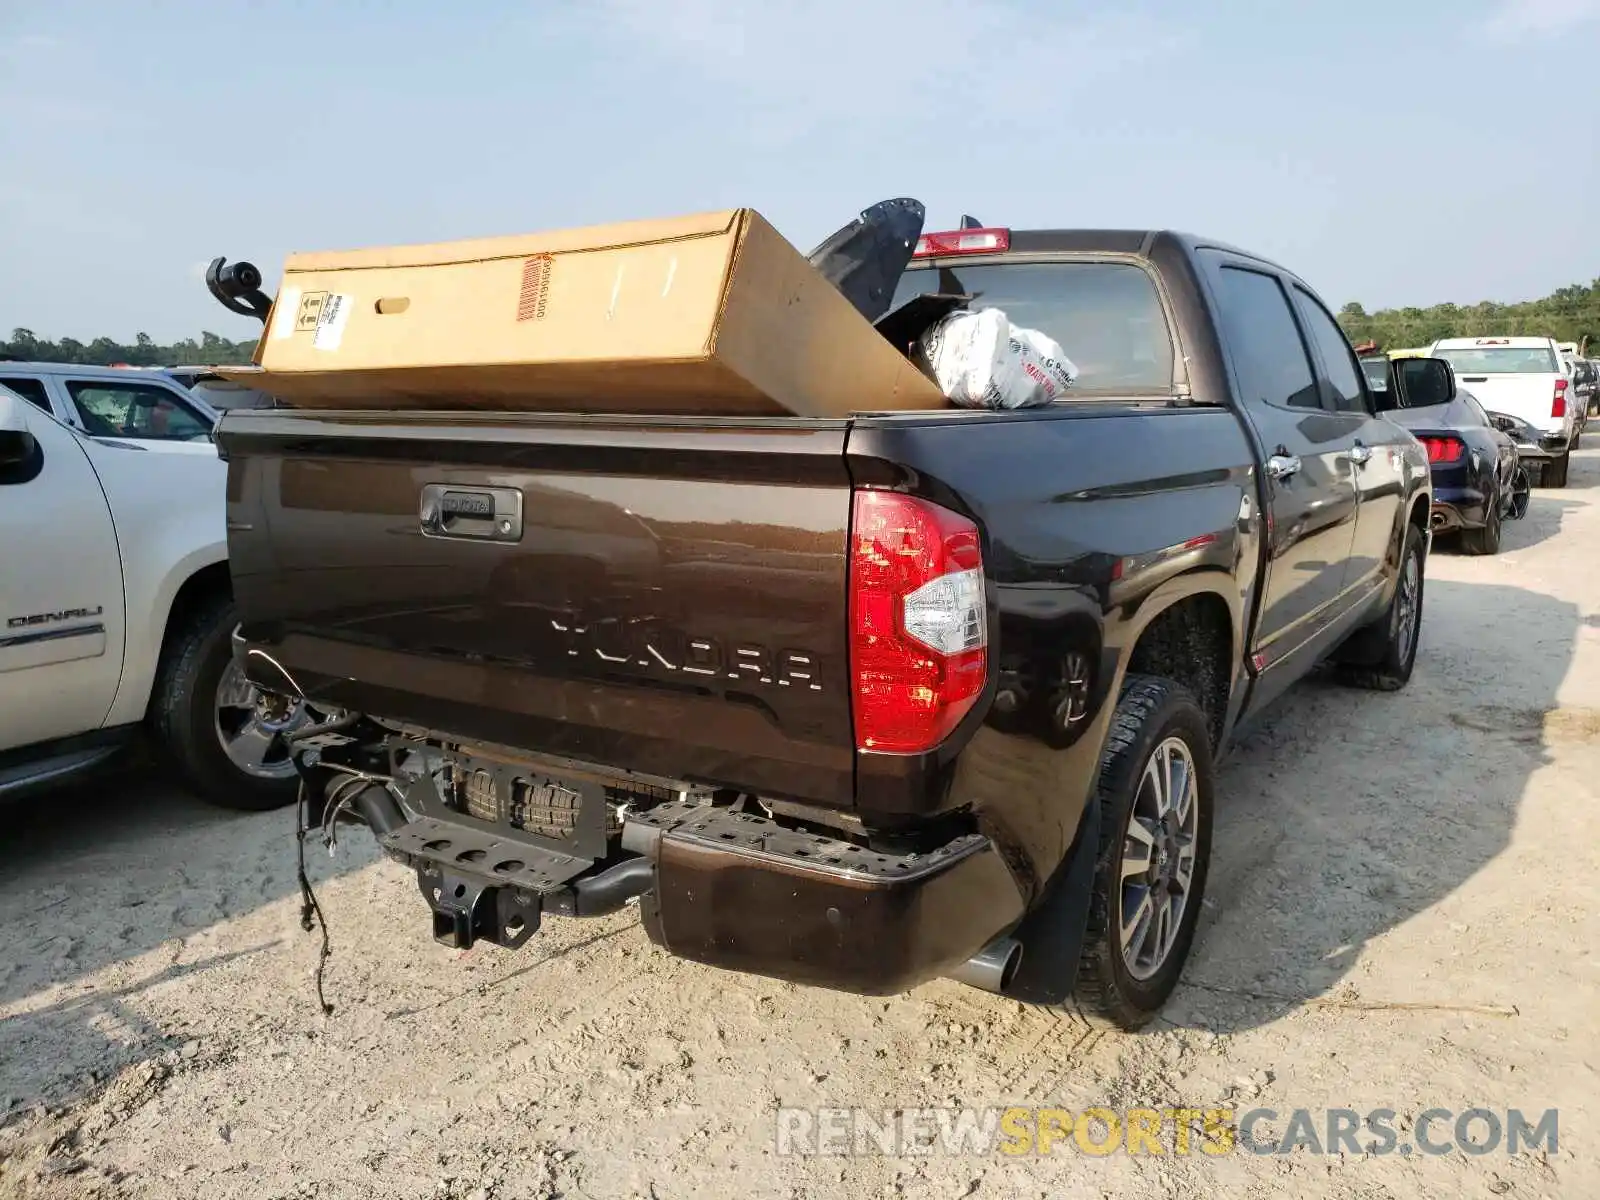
[(484, 514)]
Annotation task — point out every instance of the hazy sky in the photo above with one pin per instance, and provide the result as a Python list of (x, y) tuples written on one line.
[(1402, 152)]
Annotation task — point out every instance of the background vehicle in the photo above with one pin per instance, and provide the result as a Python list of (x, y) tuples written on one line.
[(219, 392), (1376, 369), (955, 710), (1478, 481), (1586, 383), (115, 615), (1523, 378), (116, 402)]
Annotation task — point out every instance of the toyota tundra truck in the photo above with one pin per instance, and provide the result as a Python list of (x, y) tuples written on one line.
[(858, 702)]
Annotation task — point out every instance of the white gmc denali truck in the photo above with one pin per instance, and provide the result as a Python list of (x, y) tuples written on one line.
[(116, 612)]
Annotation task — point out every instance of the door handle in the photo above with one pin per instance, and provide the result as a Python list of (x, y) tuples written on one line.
[(1359, 454), (1282, 466)]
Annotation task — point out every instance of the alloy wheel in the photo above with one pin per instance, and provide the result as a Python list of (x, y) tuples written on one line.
[(1406, 606), (1158, 858)]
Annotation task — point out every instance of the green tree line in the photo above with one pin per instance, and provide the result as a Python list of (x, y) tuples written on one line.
[(1569, 314), (210, 350)]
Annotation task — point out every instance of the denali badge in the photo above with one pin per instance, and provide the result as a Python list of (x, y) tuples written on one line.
[(50, 618)]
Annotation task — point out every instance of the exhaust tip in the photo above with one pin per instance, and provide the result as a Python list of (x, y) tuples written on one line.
[(992, 968), (1438, 520)]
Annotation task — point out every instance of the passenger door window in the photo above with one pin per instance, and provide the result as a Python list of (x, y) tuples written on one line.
[(134, 410), (1338, 360), (1268, 352)]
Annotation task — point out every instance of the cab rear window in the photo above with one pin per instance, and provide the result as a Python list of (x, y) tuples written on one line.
[(1107, 316), (1502, 360)]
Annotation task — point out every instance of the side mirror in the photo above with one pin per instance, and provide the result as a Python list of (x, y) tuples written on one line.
[(1425, 382), (16, 443)]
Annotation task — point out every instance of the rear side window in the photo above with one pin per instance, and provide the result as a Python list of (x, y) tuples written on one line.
[(31, 390), (1265, 342), (1107, 316), (1338, 360)]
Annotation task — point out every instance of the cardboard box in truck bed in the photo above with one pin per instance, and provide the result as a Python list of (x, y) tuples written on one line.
[(714, 313)]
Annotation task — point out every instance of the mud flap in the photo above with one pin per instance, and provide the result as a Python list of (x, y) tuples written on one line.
[(1052, 932), (866, 258)]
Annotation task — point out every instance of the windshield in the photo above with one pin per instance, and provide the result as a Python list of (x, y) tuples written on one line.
[(1107, 316), (223, 394), (1377, 370), (1502, 360)]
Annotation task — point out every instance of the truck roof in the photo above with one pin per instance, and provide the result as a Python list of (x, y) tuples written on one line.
[(1116, 241), (1511, 343), (1160, 246), (81, 370)]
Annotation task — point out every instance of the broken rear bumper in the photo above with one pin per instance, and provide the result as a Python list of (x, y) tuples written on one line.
[(742, 892), (731, 890)]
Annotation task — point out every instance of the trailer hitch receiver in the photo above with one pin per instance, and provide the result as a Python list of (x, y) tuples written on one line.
[(468, 910)]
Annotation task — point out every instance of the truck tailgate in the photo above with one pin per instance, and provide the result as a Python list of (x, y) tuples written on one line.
[(664, 595), (1526, 397)]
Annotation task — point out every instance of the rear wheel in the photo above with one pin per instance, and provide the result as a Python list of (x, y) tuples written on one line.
[(1554, 473), (1381, 656), (222, 735), (1487, 539), (1154, 793)]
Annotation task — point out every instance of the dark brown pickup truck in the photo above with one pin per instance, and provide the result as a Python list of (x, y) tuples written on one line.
[(857, 702)]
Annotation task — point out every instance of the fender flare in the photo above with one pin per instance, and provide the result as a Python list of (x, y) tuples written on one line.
[(145, 644), (1118, 648)]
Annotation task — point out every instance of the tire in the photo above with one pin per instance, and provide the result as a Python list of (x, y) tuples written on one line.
[(1485, 540), (1380, 657), (183, 715), (1152, 716), (1554, 472)]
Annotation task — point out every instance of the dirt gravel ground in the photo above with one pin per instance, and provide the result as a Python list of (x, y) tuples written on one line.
[(1403, 915)]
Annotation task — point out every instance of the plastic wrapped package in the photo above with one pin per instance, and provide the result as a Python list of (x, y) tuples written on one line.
[(981, 360)]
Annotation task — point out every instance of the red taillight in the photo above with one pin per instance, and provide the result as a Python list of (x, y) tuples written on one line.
[(1558, 405), (919, 630), (963, 241), (1444, 449)]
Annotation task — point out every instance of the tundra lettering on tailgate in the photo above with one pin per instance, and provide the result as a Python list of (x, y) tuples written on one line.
[(646, 643)]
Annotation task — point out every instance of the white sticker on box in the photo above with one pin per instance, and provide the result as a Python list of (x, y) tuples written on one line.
[(284, 312), (331, 322)]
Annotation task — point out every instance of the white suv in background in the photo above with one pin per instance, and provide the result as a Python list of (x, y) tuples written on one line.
[(1525, 379), (121, 403), (116, 607)]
